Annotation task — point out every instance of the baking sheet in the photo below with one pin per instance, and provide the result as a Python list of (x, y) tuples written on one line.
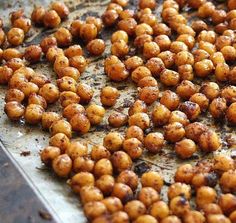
[(20, 138)]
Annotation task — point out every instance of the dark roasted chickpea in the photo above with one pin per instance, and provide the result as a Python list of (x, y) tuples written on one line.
[(148, 196), (135, 132), (76, 149), (78, 62), (174, 132), (96, 47), (96, 21), (207, 46), (23, 23), (90, 193), (133, 62), (133, 147), (229, 53), (37, 15), (186, 72), (178, 116), (155, 65), (129, 178), (185, 148), (33, 53), (48, 118), (75, 27), (210, 89), (160, 115), (194, 130), (141, 40), (201, 100), (232, 77), (169, 77), (184, 174), (231, 114), (113, 141), (11, 53), (119, 48), (149, 94), (94, 209), (68, 98), (147, 82), (50, 92), (218, 108), (109, 96), (62, 165), (229, 93), (80, 123), (33, 113), (222, 71), (51, 19), (16, 14), (218, 16), (161, 29), (191, 109), (99, 152), (59, 140), (88, 32), (196, 4), (5, 75), (232, 217), (154, 142), (83, 164), (61, 9), (63, 37), (179, 206), (105, 183), (14, 80), (179, 189), (15, 36), (135, 209), (49, 153), (123, 192), (227, 201), (37, 99), (14, 110), (110, 17), (186, 89), (113, 204), (85, 93), (61, 126), (121, 161), (139, 119), (103, 167), (117, 119), (199, 26)]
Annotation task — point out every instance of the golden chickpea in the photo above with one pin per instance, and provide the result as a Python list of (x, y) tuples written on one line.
[(114, 6), (121, 161), (160, 115), (128, 25), (76, 149), (147, 82), (105, 183), (134, 209), (170, 100), (14, 95), (139, 119), (218, 16), (149, 94), (33, 53), (51, 19), (168, 13), (179, 189), (37, 15), (143, 28), (187, 39), (49, 153), (179, 206), (152, 179), (207, 36), (90, 193), (163, 41), (149, 19), (83, 164), (209, 141), (37, 99), (62, 165), (146, 219), (127, 13), (70, 72), (232, 217), (150, 49), (33, 114), (60, 62), (11, 53), (123, 192), (205, 195), (117, 119), (171, 219), (222, 71), (210, 89), (183, 58), (99, 152), (218, 218), (169, 77), (22, 23), (119, 35), (59, 140), (148, 196), (230, 114), (61, 9), (96, 21), (222, 41), (14, 110), (186, 89), (119, 48), (68, 97), (191, 109), (109, 96), (94, 209), (134, 132), (113, 204), (96, 47), (113, 141), (74, 50), (61, 126), (6, 74), (48, 42), (201, 100), (223, 163), (178, 116), (48, 118), (199, 26), (178, 46), (53, 53), (15, 63), (66, 84), (133, 62), (147, 4), (103, 167), (159, 210), (185, 29), (185, 148), (85, 93), (217, 58), (203, 68), (227, 202), (192, 216), (170, 4), (95, 114), (15, 36), (129, 178), (231, 76), (200, 55), (63, 37), (174, 132), (137, 107), (184, 174), (80, 123), (88, 32), (139, 41), (161, 29), (206, 10), (229, 53), (155, 65), (229, 94), (133, 147), (211, 209), (75, 27), (207, 46), (49, 92), (154, 142), (117, 72), (78, 62)]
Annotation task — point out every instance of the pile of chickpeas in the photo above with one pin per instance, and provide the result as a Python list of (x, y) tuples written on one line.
[(179, 69)]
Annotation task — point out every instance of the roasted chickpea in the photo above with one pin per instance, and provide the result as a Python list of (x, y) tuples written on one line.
[(48, 42), (14, 95), (48, 118), (103, 167), (123, 192), (185, 29), (75, 27), (167, 13), (229, 53), (178, 116), (49, 153), (178, 46), (117, 119), (53, 53), (139, 41), (191, 109), (83, 164), (205, 195), (96, 47), (59, 140), (231, 76), (135, 132), (88, 32), (5, 76), (109, 96), (218, 108), (113, 141), (206, 10), (210, 89), (230, 114), (147, 82), (160, 115), (149, 94), (227, 202), (129, 178), (62, 165), (174, 132), (170, 4), (113, 204), (121, 161), (217, 58), (161, 29), (66, 84), (150, 49), (186, 89), (68, 98), (110, 17), (148, 196), (105, 183), (22, 23), (143, 28), (155, 65), (171, 219), (33, 113), (133, 147), (37, 15), (114, 6), (207, 36), (185, 148), (169, 77), (154, 142), (119, 48), (179, 206), (200, 55), (135, 209), (11, 53), (152, 179), (15, 36), (99, 152), (159, 210), (229, 93), (33, 53), (199, 26), (133, 62), (60, 62), (222, 71), (63, 37), (137, 107), (139, 119), (76, 149), (184, 174), (170, 100), (147, 4), (201, 100), (51, 19), (95, 114), (119, 35), (61, 126), (85, 93), (117, 72), (187, 39), (90, 193), (74, 50), (209, 141), (94, 209), (217, 218), (37, 99), (14, 110), (15, 63), (80, 123), (127, 13), (183, 58), (207, 46), (61, 9), (179, 189), (78, 62), (96, 21), (194, 130), (49, 92), (16, 14), (81, 179)]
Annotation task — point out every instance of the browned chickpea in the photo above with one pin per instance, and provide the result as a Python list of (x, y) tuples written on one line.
[(70, 72), (14, 80), (218, 218), (143, 28), (80, 123), (127, 13), (146, 219), (217, 58), (232, 217), (177, 46), (135, 132), (147, 4), (14, 110), (186, 72), (161, 29), (33, 113), (83, 164), (114, 6), (110, 17), (16, 14), (133, 147), (227, 202), (231, 114), (232, 24), (109, 96), (105, 183), (133, 62), (139, 119), (74, 50), (37, 99), (60, 62), (113, 141), (154, 142), (5, 75), (59, 140), (199, 26), (229, 53), (152, 179), (15, 36), (218, 16), (187, 39), (75, 27), (222, 41), (68, 97), (192, 216), (11, 53), (14, 95), (163, 42), (178, 116), (149, 19), (113, 204), (85, 93), (117, 119), (184, 174), (167, 13), (49, 153), (222, 71), (186, 89), (218, 108), (96, 21), (129, 178), (155, 65), (141, 40), (61, 126), (150, 49), (179, 189), (148, 196), (53, 53), (121, 161), (206, 10), (37, 15), (61, 9), (119, 48), (94, 209), (50, 92), (96, 47), (159, 210), (211, 209), (185, 29), (135, 209), (78, 62), (76, 149), (137, 107), (99, 152), (103, 167), (201, 100), (90, 193), (229, 93), (170, 4), (66, 84), (80, 180), (48, 118), (191, 109), (62, 165), (174, 132), (22, 23), (179, 206), (33, 53), (117, 72), (196, 5), (15, 63), (200, 55), (183, 58), (209, 141), (119, 35), (232, 76), (123, 192), (51, 19), (205, 195), (223, 163), (149, 94), (169, 77), (171, 219), (185, 148), (160, 115), (194, 130), (210, 89), (147, 82), (95, 114), (63, 37)]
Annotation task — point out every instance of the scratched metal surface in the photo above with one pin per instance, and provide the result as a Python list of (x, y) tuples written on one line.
[(18, 137)]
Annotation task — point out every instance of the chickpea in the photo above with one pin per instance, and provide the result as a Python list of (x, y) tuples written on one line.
[(161, 29), (230, 114), (211, 209), (60, 62), (222, 71), (15, 63), (207, 36), (33, 53), (15, 80), (145, 219), (201, 100), (229, 94), (149, 19), (135, 209), (52, 54), (80, 123), (191, 109), (105, 183), (185, 29), (75, 27), (170, 4), (192, 216), (169, 77), (178, 116), (114, 6), (137, 107), (117, 119), (223, 163), (59, 140), (68, 97), (211, 90), (62, 165), (94, 209), (177, 46), (22, 23), (209, 141), (16, 15), (179, 189), (74, 50), (128, 25), (61, 126), (80, 180), (148, 196), (99, 152), (150, 49), (96, 21), (76, 149), (159, 210), (232, 217), (199, 26), (117, 72), (78, 62), (194, 130), (154, 142), (206, 10), (63, 37), (147, 82), (170, 100), (149, 94), (147, 4), (133, 62), (48, 42), (200, 55), (231, 76), (15, 36), (127, 13), (207, 46), (88, 32), (103, 167), (109, 96), (134, 132), (49, 92), (133, 147), (123, 192), (33, 114), (227, 202), (218, 16), (187, 39), (95, 114), (183, 58), (152, 179), (83, 164), (141, 40), (66, 84), (70, 72), (96, 47), (155, 65), (229, 53), (205, 195), (217, 58), (5, 75), (14, 95), (222, 41), (171, 219), (218, 108), (37, 99), (48, 154), (48, 118), (143, 28), (160, 115), (167, 13), (139, 119), (119, 48), (184, 174), (51, 19), (186, 89), (179, 206), (90, 193), (14, 110), (113, 141), (129, 178), (11, 53), (113, 204), (85, 93), (216, 218), (37, 15), (119, 35), (121, 161), (174, 132), (163, 41), (61, 9), (185, 148)]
